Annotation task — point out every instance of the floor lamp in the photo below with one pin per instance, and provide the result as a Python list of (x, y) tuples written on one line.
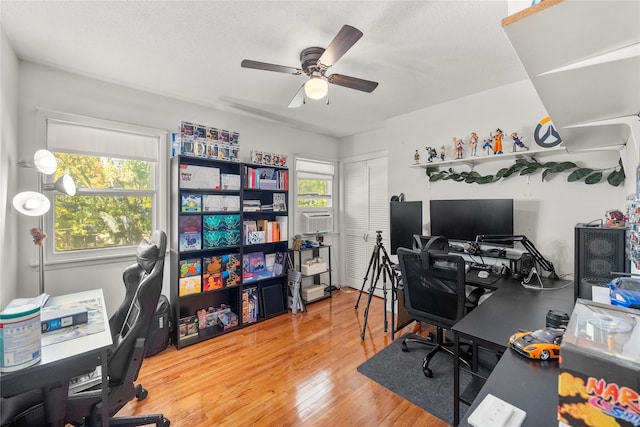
[(32, 203)]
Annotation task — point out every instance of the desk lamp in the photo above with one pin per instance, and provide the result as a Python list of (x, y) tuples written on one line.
[(32, 203)]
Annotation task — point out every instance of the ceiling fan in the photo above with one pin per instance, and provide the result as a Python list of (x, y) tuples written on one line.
[(315, 61)]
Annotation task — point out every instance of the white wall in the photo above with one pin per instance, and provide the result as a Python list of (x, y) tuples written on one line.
[(8, 168), (51, 89), (545, 212), (365, 142)]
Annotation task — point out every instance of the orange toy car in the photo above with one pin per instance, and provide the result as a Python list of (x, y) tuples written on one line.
[(541, 344)]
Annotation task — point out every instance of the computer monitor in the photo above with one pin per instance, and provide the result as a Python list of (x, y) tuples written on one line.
[(406, 220), (464, 219)]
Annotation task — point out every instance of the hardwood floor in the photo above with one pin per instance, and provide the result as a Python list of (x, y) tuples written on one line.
[(287, 371)]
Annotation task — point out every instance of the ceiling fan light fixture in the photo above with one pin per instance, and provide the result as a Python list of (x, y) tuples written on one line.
[(316, 88)]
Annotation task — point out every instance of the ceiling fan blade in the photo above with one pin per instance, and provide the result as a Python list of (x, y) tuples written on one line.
[(352, 82), (342, 42), (247, 63), (298, 98)]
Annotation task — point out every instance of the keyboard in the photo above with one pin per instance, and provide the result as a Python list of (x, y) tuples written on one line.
[(479, 267)]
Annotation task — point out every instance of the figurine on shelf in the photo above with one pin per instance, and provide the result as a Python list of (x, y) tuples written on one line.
[(497, 142), (431, 154), (487, 146), (457, 148), (473, 143), (416, 157), (517, 142), (442, 151)]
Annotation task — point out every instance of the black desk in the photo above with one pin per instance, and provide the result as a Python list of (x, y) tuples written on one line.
[(513, 307), (530, 385), (62, 361)]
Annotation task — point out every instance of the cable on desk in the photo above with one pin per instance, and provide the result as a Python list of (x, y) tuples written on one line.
[(525, 282)]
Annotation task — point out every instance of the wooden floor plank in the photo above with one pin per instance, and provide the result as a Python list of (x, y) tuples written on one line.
[(291, 370)]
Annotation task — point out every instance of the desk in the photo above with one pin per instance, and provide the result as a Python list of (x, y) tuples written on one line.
[(513, 307), (62, 361)]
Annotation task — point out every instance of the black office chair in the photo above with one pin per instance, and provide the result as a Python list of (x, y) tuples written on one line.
[(131, 279), (430, 243), (125, 357), (434, 293)]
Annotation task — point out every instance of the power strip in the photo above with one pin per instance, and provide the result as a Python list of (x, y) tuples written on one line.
[(495, 412)]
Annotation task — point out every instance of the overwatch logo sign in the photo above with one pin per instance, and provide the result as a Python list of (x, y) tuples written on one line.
[(546, 134)]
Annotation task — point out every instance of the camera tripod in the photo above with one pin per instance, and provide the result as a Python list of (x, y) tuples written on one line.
[(375, 268)]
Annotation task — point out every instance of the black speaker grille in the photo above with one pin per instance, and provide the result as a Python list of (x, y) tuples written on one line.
[(602, 245), (599, 267), (599, 252)]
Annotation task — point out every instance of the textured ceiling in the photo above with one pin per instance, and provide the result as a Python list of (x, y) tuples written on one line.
[(421, 52)]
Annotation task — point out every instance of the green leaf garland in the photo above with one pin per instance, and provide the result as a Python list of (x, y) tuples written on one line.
[(528, 167)]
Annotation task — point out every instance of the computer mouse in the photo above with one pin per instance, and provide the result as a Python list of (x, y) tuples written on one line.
[(483, 274)]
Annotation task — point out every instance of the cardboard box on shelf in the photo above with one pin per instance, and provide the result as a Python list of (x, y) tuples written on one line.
[(310, 293), (314, 266)]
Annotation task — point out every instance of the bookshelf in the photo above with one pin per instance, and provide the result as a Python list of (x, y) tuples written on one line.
[(314, 264), (229, 234)]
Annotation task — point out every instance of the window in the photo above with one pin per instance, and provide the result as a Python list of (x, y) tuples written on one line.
[(314, 183), (117, 173), (315, 186)]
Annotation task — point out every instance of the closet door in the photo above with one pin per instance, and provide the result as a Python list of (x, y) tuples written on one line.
[(366, 210)]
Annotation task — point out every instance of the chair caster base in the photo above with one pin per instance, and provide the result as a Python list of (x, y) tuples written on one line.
[(141, 392), (427, 372)]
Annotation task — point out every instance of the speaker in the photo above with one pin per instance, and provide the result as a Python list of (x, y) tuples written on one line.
[(525, 264), (599, 252)]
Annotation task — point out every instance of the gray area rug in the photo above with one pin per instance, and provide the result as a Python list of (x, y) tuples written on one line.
[(401, 373)]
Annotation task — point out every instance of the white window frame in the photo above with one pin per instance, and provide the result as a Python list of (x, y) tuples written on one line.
[(307, 171), (160, 173)]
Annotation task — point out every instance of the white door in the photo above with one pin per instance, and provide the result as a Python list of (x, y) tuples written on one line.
[(366, 210)]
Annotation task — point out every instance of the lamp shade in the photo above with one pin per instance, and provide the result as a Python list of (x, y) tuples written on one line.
[(64, 184), (45, 161), (316, 88), (31, 203)]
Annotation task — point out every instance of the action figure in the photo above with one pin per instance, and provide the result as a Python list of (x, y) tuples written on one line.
[(417, 157), (473, 142), (442, 151), (431, 154), (497, 142), (487, 146), (517, 142), (457, 147)]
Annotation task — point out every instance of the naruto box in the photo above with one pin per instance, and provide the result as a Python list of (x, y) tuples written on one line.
[(599, 378)]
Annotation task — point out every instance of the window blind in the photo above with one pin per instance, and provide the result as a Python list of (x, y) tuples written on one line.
[(78, 138)]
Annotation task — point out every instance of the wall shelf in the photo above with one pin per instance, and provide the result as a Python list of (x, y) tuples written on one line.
[(472, 161)]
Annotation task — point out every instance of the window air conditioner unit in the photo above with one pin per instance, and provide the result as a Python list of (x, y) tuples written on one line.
[(317, 222)]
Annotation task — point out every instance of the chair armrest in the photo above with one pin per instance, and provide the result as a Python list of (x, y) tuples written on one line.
[(474, 297)]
